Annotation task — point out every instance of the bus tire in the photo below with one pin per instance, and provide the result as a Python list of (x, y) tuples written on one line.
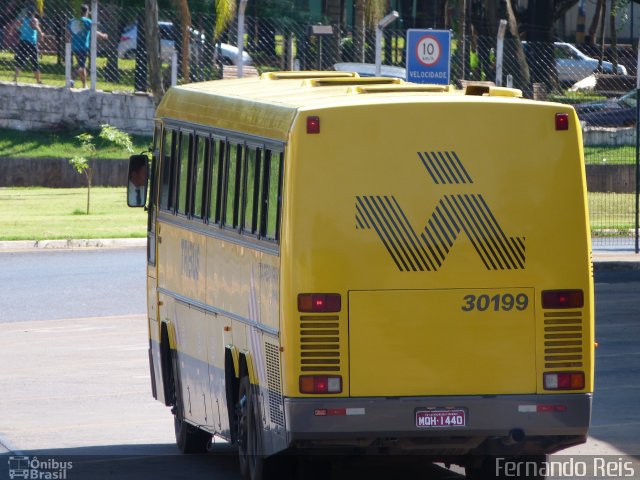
[(190, 439), (250, 451)]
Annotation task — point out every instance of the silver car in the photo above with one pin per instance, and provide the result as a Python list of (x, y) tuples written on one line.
[(168, 33), (573, 65)]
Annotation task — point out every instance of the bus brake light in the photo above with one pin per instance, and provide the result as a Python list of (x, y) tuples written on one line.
[(320, 384), (564, 381), (562, 121), (562, 299), (313, 124), (319, 302)]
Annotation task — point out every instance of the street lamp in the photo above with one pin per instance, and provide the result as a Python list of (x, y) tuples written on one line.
[(239, 61), (382, 24)]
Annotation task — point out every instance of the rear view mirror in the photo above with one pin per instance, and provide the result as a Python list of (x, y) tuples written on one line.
[(138, 180)]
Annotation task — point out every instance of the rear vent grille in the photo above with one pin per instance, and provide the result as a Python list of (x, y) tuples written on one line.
[(273, 381), (320, 343), (563, 339)]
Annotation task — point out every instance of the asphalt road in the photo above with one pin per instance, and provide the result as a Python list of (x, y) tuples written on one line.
[(46, 284), (75, 378)]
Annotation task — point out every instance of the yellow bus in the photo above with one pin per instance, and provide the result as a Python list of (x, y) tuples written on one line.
[(365, 265)]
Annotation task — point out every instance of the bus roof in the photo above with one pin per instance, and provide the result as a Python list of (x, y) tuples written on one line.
[(266, 106)]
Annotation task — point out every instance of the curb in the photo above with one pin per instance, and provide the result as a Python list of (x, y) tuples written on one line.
[(21, 245)]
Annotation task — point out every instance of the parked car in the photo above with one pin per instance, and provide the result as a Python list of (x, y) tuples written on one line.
[(613, 112), (168, 34), (573, 65)]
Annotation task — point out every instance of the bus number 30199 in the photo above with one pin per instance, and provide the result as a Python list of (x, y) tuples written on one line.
[(497, 302)]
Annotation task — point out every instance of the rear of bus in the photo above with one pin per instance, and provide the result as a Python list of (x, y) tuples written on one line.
[(437, 292)]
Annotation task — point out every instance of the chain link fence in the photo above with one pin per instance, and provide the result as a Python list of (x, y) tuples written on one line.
[(600, 84)]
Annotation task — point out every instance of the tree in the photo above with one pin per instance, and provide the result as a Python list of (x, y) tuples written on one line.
[(367, 14), (81, 163)]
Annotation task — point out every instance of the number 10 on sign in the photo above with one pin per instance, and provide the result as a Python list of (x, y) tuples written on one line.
[(428, 50)]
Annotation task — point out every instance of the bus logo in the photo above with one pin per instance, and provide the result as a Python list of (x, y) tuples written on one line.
[(455, 215), (18, 467)]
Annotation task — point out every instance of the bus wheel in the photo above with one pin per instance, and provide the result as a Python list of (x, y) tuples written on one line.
[(249, 435), (190, 439)]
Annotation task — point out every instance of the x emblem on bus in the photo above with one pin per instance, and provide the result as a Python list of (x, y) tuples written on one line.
[(454, 215)]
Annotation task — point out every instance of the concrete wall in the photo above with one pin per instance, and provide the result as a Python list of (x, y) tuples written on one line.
[(57, 173), (611, 178), (42, 107)]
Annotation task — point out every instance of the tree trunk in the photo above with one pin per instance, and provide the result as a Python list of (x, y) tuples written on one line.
[(525, 77), (359, 30), (614, 40), (603, 13), (593, 27), (185, 23), (153, 50)]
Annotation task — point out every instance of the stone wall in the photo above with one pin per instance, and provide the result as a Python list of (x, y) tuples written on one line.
[(42, 107), (57, 173)]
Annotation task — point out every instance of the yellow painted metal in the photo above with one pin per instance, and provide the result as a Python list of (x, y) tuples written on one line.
[(371, 138), (423, 342)]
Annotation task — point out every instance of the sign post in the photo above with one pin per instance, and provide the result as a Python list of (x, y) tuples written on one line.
[(429, 56)]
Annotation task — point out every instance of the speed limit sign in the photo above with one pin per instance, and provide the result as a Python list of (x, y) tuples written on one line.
[(428, 50), (428, 56)]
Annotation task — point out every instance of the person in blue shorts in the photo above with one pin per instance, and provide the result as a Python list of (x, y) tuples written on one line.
[(27, 51), (80, 32)]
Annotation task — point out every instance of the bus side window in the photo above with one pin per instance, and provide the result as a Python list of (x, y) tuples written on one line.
[(252, 205), (183, 173), (168, 147), (233, 185), (215, 180), (202, 150), (273, 195)]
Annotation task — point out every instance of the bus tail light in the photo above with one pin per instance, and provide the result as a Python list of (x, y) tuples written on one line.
[(564, 381), (319, 302), (562, 299), (320, 384), (313, 124), (562, 121)]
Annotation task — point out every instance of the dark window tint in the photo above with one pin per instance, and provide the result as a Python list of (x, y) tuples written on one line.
[(273, 195), (216, 178), (168, 147), (183, 172), (252, 190), (233, 184), (202, 149)]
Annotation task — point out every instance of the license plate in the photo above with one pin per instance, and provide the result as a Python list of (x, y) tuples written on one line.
[(440, 418)]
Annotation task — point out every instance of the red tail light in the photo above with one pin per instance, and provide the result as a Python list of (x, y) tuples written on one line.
[(313, 124), (562, 121), (319, 302), (564, 381), (562, 299), (320, 384)]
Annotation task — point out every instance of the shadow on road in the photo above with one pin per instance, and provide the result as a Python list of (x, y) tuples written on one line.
[(162, 461)]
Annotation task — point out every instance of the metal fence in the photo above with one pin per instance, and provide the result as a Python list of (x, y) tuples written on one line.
[(605, 102)]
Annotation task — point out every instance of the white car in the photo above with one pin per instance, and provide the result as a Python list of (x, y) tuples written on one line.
[(168, 33), (572, 65)]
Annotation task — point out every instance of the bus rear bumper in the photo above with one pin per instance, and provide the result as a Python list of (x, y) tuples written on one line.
[(502, 424)]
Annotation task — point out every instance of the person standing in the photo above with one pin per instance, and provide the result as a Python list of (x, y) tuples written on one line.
[(80, 31), (27, 51)]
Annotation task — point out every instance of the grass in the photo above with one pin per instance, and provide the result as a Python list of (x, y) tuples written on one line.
[(611, 213), (604, 155), (63, 144), (49, 214), (53, 73)]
